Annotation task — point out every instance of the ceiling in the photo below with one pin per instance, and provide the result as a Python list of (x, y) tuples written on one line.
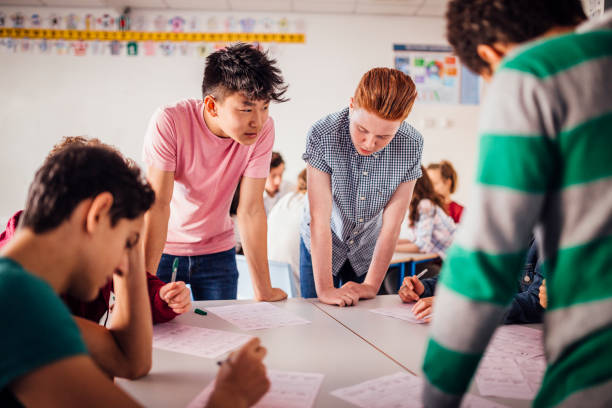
[(423, 8)]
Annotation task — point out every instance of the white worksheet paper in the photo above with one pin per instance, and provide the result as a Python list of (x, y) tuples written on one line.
[(513, 364), (255, 316), (400, 390), (515, 341), (403, 311), (288, 389), (197, 341)]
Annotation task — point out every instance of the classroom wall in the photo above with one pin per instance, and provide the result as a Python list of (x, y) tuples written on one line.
[(45, 97)]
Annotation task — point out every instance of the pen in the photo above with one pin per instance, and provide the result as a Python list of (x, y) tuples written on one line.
[(422, 273), (174, 269), (418, 276), (200, 312)]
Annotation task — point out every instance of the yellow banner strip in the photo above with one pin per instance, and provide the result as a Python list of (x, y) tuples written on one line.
[(34, 33)]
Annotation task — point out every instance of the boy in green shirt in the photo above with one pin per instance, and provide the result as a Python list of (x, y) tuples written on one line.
[(81, 225), (545, 164)]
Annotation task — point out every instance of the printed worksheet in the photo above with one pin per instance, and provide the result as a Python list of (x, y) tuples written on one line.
[(401, 390), (197, 341), (403, 311), (288, 389), (533, 371), (255, 316), (515, 341), (502, 377)]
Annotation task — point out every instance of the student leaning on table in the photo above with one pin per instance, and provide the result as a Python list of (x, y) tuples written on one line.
[(81, 225), (197, 150), (166, 301), (545, 165), (362, 165)]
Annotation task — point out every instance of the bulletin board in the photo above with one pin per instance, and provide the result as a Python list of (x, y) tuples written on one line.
[(438, 74)]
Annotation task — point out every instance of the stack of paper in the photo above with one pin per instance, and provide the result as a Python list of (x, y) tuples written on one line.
[(287, 390), (254, 316), (196, 340)]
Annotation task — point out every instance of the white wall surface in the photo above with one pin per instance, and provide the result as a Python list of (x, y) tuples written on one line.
[(44, 97)]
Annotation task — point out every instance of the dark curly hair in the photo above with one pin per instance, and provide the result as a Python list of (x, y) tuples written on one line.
[(473, 22), (78, 172), (243, 68)]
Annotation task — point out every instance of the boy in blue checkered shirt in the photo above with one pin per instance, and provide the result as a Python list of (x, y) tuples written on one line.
[(363, 163)]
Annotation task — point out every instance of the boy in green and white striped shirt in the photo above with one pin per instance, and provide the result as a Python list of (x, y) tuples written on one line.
[(545, 164)]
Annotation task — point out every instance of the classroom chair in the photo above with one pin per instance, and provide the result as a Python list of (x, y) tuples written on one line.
[(281, 276)]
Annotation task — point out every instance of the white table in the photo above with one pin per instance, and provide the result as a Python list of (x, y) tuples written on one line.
[(323, 346), (401, 341), (349, 345)]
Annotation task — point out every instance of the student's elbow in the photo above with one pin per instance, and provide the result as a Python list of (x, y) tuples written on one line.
[(138, 370)]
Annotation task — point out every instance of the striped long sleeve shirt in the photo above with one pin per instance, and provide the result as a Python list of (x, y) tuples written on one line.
[(545, 165)]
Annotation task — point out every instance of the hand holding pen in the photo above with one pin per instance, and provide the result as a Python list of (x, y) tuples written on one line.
[(412, 288), (242, 379)]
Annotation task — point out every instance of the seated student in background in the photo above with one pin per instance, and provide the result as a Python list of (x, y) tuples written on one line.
[(527, 305), (166, 301), (284, 228), (233, 211), (545, 165), (444, 179), (362, 165), (276, 187), (197, 150), (81, 226), (428, 228)]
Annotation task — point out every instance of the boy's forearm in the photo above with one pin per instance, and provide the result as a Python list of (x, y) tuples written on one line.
[(155, 233), (131, 324), (321, 254), (253, 230), (383, 252)]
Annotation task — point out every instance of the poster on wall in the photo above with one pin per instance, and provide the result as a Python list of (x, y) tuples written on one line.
[(438, 74), (29, 32)]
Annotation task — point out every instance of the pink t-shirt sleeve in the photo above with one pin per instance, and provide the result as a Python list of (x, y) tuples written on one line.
[(259, 163), (159, 148)]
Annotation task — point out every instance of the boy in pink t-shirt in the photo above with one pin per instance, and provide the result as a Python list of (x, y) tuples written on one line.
[(197, 151)]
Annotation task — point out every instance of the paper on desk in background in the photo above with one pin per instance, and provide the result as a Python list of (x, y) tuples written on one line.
[(513, 364), (288, 389), (401, 390), (254, 316), (197, 341), (403, 311)]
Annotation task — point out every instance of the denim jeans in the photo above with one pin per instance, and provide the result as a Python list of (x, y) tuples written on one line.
[(307, 284), (212, 276)]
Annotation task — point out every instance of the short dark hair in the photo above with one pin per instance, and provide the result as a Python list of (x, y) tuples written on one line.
[(243, 68), (473, 22), (78, 172), (276, 160)]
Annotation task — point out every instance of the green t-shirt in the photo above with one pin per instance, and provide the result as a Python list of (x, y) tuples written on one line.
[(37, 328)]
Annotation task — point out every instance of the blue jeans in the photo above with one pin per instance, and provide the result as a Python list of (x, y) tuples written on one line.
[(307, 284), (212, 276)]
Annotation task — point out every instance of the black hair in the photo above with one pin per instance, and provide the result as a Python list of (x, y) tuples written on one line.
[(474, 22), (77, 173), (276, 160), (243, 68)]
